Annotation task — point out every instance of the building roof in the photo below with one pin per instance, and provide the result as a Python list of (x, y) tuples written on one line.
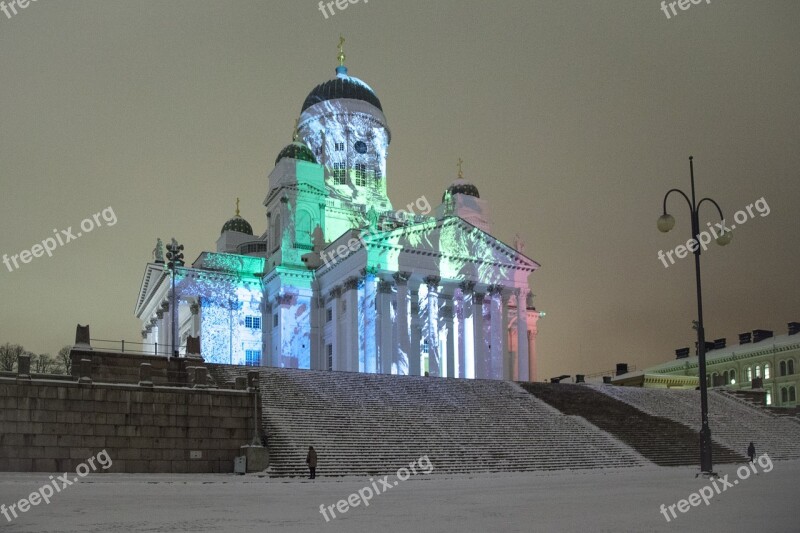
[(342, 86)]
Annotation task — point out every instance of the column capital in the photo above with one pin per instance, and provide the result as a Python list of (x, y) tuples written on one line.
[(495, 289), (350, 283), (432, 281), (195, 308), (284, 299), (467, 286), (369, 271), (384, 287), (164, 305), (401, 278), (160, 314)]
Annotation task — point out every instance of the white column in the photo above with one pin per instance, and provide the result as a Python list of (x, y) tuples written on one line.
[(368, 359), (414, 367), (431, 325), (385, 328), (504, 348), (496, 333), (523, 372), (449, 320), (478, 345), (350, 325), (401, 359)]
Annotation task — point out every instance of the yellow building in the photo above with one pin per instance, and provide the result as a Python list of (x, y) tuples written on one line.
[(760, 361)]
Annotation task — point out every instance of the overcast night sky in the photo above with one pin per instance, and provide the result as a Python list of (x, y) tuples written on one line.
[(573, 119)]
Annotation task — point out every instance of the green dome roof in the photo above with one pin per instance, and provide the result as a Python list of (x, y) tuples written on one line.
[(297, 150), (461, 186), (239, 224)]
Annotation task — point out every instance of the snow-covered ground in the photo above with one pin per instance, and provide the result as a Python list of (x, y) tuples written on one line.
[(597, 501)]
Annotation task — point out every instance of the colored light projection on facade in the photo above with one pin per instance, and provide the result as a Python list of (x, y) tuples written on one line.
[(350, 139), (439, 327), (229, 291)]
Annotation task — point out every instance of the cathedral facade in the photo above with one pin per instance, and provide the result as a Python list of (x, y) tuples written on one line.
[(343, 280)]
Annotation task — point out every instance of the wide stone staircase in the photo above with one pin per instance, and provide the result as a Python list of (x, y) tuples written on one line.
[(364, 424), (733, 421), (661, 440)]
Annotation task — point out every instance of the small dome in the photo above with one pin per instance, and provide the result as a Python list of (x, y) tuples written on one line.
[(297, 150), (461, 186), (239, 224), (342, 86)]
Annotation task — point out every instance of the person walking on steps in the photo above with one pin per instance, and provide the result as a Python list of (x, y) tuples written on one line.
[(311, 461), (751, 451)]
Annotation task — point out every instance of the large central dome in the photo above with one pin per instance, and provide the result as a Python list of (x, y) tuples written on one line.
[(342, 86)]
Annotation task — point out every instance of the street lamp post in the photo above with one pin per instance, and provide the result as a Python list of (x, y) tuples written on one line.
[(665, 223), (175, 256)]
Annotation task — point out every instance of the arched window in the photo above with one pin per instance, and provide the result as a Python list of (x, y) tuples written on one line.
[(768, 398), (784, 395), (758, 371), (766, 371), (790, 366), (749, 374), (792, 394), (733, 376), (725, 377), (783, 368)]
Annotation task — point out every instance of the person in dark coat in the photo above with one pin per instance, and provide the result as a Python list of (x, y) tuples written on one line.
[(751, 451), (311, 461)]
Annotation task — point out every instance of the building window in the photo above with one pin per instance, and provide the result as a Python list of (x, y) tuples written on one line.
[(339, 174), (360, 147), (733, 377), (361, 175), (758, 371), (768, 398), (766, 370), (782, 368), (749, 374), (328, 314), (725, 378), (784, 395), (252, 322), (339, 147), (790, 366), (378, 175), (329, 354), (792, 394), (252, 357), (275, 320)]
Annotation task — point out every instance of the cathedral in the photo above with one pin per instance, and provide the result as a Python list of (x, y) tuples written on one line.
[(341, 279)]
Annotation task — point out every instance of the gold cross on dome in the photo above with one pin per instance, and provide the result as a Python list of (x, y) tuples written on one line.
[(237, 207), (460, 172)]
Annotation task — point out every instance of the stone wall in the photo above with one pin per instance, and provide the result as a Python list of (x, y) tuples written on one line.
[(112, 367), (52, 426)]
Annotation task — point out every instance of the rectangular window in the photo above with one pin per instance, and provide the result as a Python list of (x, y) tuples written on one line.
[(339, 147), (252, 357), (328, 314), (378, 176), (329, 354), (361, 175), (275, 320), (252, 322), (339, 174)]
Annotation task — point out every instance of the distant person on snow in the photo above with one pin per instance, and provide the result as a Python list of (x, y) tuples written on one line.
[(311, 461), (751, 451)]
